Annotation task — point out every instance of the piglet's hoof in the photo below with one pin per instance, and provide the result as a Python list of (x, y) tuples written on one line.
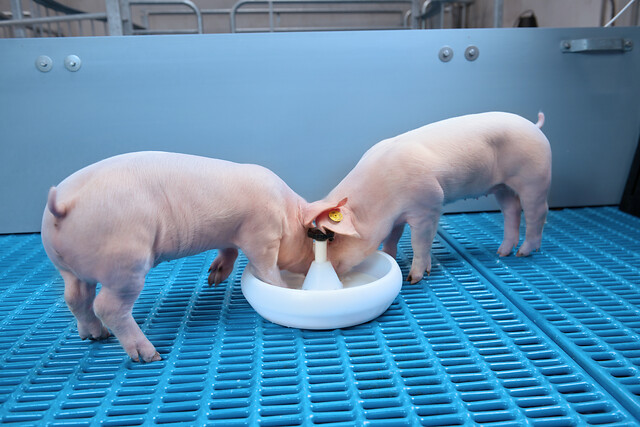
[(154, 358), (100, 338), (413, 280), (98, 335), (218, 276), (220, 270)]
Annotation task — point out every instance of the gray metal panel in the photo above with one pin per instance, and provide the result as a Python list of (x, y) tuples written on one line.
[(307, 105)]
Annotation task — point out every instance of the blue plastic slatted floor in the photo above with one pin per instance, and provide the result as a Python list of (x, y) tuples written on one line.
[(550, 340)]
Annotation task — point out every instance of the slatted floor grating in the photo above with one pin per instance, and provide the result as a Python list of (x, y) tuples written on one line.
[(548, 340)]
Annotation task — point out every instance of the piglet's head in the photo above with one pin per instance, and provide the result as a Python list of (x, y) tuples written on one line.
[(331, 216), (348, 248)]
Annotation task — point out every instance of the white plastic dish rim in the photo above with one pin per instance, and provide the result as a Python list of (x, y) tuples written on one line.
[(322, 309)]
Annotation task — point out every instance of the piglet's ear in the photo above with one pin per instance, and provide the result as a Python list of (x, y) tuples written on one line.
[(314, 210), (338, 219), (342, 202), (330, 216)]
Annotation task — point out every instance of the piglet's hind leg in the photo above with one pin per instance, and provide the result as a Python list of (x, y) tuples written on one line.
[(535, 213), (79, 296), (114, 304), (511, 210)]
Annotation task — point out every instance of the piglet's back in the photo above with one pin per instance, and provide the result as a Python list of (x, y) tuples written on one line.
[(177, 203), (158, 178)]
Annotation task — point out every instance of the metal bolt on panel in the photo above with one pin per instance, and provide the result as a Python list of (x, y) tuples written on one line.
[(472, 53), (72, 63), (445, 54), (44, 63)]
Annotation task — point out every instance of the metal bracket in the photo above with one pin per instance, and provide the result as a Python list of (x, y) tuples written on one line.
[(596, 45)]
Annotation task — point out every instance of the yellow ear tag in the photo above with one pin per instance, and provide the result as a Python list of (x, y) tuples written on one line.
[(335, 215)]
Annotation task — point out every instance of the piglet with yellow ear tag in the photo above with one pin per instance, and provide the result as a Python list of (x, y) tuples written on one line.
[(408, 178)]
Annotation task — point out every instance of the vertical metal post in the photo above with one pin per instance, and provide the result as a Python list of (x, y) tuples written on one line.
[(463, 16), (16, 13), (603, 11), (114, 18), (125, 16), (271, 16), (498, 6), (415, 14), (58, 25), (145, 19), (48, 30), (35, 28)]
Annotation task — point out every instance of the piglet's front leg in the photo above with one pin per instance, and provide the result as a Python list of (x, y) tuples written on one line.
[(391, 243), (222, 266), (263, 262), (423, 231)]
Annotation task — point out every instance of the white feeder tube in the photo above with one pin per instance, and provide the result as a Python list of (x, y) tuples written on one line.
[(320, 250), (321, 275)]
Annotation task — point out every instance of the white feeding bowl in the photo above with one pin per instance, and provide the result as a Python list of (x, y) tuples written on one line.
[(368, 290)]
